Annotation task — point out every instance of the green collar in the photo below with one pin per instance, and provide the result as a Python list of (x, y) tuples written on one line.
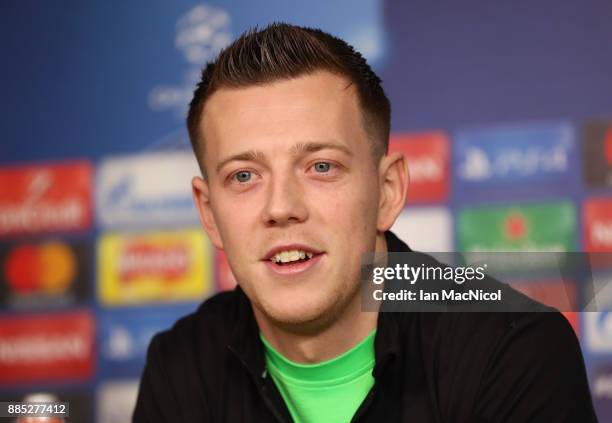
[(341, 369)]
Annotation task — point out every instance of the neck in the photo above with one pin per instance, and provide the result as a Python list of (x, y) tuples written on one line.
[(324, 341)]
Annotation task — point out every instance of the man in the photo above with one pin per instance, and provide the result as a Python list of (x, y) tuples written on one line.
[(290, 127)]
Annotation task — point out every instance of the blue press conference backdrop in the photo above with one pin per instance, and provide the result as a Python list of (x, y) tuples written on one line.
[(503, 110)]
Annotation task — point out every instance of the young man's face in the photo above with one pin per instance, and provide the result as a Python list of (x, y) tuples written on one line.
[(291, 176)]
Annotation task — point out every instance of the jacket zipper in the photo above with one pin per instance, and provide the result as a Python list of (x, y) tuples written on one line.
[(370, 397), (271, 407), (261, 389)]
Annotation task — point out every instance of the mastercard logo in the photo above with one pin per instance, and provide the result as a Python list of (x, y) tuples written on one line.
[(47, 268)]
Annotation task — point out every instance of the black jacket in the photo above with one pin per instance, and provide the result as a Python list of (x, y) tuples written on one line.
[(430, 367)]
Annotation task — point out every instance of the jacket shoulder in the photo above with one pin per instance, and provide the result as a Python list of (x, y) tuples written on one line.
[(210, 322), (185, 364), (491, 356), (487, 331)]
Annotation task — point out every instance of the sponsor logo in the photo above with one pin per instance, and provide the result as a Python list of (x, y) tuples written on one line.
[(601, 233), (515, 226), (608, 146), (116, 401), (598, 331), (156, 266), (226, 281), (200, 34), (602, 386), (146, 190), (479, 166), (428, 164), (141, 259), (597, 154), (601, 390), (513, 155), (125, 335), (425, 229), (121, 344), (47, 272), (46, 347), (45, 198), (597, 223), (530, 227), (205, 29)]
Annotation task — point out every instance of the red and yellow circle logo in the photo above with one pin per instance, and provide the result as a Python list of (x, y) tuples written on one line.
[(47, 268)]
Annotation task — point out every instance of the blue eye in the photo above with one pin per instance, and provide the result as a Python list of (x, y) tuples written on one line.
[(322, 167), (243, 176)]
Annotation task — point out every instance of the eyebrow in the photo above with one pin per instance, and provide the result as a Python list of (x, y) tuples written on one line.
[(313, 147), (250, 155), (297, 149)]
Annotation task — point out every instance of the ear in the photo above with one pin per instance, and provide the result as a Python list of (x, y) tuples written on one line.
[(201, 197), (394, 180)]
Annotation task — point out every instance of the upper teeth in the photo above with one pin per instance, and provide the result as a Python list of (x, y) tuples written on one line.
[(289, 256)]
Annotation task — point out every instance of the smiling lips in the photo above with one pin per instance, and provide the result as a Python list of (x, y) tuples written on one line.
[(291, 259)]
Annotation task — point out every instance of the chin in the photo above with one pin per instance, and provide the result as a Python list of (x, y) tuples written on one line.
[(303, 313)]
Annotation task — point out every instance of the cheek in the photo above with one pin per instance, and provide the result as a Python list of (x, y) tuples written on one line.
[(350, 213), (234, 223), (364, 203)]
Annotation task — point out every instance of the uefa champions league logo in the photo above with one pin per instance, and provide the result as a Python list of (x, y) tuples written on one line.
[(201, 33)]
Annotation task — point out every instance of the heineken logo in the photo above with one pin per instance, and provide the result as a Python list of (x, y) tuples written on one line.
[(515, 227), (521, 227)]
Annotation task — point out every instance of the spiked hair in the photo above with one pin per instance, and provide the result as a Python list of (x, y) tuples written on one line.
[(283, 51)]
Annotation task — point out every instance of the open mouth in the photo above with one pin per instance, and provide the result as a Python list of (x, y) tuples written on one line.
[(293, 259), (287, 258), (293, 262)]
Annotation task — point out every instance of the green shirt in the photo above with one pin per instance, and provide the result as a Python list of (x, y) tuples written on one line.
[(327, 392)]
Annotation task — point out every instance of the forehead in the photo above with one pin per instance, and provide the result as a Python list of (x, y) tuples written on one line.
[(313, 107)]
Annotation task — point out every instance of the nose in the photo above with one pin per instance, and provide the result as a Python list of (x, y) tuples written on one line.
[(285, 201)]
